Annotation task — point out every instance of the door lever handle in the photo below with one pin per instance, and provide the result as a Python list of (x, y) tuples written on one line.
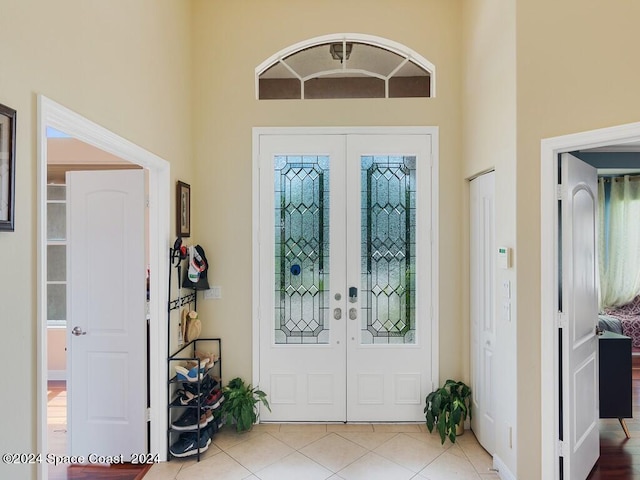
[(77, 331), (599, 331)]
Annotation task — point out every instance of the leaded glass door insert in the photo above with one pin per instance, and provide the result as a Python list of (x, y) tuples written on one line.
[(388, 249), (301, 249), (344, 277)]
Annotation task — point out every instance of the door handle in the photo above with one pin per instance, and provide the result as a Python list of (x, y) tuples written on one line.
[(353, 313), (77, 331), (599, 331), (337, 313)]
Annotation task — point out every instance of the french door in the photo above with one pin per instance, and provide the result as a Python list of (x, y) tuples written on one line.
[(345, 289)]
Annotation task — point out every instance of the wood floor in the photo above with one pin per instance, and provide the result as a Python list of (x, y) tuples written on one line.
[(57, 431), (620, 456)]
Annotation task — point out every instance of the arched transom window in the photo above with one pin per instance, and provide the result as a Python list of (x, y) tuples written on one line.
[(345, 66)]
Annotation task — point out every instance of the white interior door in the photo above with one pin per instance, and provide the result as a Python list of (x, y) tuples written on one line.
[(579, 311), (106, 326), (344, 310), (483, 322)]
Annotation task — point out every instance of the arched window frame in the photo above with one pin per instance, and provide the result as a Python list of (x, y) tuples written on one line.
[(380, 42)]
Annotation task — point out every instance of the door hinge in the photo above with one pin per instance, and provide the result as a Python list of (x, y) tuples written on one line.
[(561, 320), (148, 414), (560, 448), (146, 201), (559, 192)]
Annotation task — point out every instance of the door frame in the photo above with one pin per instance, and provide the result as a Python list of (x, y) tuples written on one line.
[(61, 118), (550, 149), (433, 131)]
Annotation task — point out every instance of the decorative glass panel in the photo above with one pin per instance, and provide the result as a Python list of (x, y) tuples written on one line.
[(56, 192), (301, 249), (388, 249), (56, 221), (56, 302), (56, 263)]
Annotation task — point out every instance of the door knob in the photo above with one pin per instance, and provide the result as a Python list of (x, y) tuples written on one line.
[(337, 313), (77, 331), (353, 313)]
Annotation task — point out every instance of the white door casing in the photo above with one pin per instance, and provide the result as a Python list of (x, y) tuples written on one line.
[(342, 379), (483, 321), (579, 317), (107, 358)]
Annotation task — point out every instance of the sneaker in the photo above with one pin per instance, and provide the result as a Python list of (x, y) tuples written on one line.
[(189, 420), (184, 398), (187, 444), (213, 400), (206, 386)]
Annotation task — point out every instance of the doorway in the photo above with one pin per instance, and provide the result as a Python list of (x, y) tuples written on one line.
[(623, 137), (51, 114), (344, 225)]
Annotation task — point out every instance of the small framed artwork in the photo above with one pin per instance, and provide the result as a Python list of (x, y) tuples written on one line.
[(7, 168), (183, 209)]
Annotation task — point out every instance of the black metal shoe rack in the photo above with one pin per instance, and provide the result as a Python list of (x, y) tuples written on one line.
[(186, 353)]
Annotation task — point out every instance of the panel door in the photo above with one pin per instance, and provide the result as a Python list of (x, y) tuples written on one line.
[(482, 297), (302, 277), (389, 264), (106, 323)]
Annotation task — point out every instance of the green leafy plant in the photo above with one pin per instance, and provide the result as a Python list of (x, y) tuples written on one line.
[(446, 407), (240, 403)]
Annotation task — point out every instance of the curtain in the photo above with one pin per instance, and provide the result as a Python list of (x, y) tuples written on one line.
[(619, 240)]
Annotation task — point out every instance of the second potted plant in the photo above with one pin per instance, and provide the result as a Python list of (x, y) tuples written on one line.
[(240, 403), (447, 408)]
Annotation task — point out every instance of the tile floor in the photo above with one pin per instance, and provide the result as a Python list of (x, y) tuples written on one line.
[(332, 451)]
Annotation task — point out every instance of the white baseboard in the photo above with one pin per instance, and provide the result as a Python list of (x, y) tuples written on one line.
[(56, 375), (503, 472)]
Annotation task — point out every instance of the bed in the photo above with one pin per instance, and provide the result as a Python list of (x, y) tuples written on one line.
[(624, 320)]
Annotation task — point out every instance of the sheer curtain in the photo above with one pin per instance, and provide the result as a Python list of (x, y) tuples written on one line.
[(619, 239)]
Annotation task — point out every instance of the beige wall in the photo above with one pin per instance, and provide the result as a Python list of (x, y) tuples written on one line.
[(230, 39), (576, 72), (489, 143), (124, 64)]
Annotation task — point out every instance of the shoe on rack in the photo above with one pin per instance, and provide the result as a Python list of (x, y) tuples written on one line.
[(187, 444), (213, 400), (189, 420), (188, 374), (206, 386), (184, 398), (210, 357)]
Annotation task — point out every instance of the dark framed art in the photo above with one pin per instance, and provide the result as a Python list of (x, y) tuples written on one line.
[(7, 168), (183, 209)]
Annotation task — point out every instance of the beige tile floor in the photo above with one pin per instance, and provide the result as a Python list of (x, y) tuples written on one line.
[(332, 451)]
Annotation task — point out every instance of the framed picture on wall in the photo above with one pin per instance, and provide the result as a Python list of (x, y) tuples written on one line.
[(7, 168), (183, 209)]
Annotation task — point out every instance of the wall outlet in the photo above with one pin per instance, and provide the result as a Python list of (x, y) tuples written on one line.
[(213, 293)]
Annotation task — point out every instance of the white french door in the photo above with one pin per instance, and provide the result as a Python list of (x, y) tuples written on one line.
[(345, 276)]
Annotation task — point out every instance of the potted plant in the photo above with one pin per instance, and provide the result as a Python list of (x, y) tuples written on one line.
[(447, 408), (240, 403)]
